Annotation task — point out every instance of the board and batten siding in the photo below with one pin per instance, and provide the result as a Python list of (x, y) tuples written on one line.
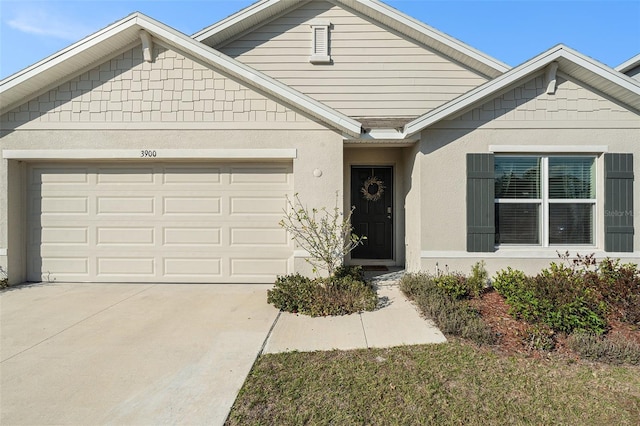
[(374, 70), (173, 88)]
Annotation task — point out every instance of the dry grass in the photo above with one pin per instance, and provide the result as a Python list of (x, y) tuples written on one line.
[(453, 383)]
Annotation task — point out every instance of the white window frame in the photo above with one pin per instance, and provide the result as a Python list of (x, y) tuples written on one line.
[(320, 29), (545, 201)]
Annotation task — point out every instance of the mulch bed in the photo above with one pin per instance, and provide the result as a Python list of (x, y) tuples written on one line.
[(512, 332)]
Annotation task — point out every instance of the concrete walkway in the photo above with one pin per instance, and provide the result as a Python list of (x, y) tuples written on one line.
[(396, 322)]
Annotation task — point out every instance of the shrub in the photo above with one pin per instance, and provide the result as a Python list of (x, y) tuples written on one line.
[(452, 315), (342, 296), (619, 286), (605, 349), (540, 337), (453, 284), (478, 280), (556, 297), (323, 296), (4, 281), (354, 271), (292, 293)]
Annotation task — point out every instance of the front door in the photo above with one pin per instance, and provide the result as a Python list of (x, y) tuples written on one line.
[(372, 196)]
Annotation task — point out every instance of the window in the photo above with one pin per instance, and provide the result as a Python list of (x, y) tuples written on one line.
[(544, 200), (320, 43)]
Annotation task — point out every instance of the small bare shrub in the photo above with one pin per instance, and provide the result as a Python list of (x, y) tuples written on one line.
[(613, 350)]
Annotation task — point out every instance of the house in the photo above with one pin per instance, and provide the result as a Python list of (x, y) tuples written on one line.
[(141, 154)]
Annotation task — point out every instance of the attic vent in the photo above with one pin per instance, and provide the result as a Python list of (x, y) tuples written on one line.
[(320, 43)]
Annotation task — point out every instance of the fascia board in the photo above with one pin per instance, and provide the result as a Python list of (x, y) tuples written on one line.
[(431, 32), (64, 54), (528, 68), (629, 64), (246, 73), (233, 19)]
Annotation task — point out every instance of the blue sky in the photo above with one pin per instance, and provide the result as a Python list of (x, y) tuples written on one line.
[(509, 30)]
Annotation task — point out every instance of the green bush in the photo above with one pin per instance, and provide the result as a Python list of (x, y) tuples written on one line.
[(292, 293), (557, 297), (478, 279), (323, 296), (619, 286), (606, 349), (4, 281), (438, 302), (354, 271)]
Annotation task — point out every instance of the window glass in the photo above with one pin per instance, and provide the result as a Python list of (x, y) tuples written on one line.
[(570, 223), (518, 223), (517, 177), (571, 178)]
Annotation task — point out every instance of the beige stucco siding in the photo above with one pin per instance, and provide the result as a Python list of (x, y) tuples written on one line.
[(171, 89), (534, 124), (374, 71), (314, 150)]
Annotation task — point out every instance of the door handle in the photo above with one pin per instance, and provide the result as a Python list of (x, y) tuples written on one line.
[(389, 216)]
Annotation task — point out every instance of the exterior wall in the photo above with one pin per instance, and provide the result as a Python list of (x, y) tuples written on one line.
[(374, 71), (442, 177), (372, 156), (315, 150), (530, 102), (171, 89)]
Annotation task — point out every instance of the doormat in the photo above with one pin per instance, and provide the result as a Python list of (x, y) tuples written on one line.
[(375, 268)]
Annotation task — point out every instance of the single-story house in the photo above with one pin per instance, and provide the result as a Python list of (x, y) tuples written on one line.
[(141, 154)]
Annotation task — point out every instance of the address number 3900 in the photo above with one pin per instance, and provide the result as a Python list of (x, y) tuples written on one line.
[(146, 153)]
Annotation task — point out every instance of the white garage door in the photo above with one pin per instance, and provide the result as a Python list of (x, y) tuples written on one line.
[(179, 222)]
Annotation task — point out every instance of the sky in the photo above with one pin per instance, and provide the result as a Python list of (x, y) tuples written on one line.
[(511, 31)]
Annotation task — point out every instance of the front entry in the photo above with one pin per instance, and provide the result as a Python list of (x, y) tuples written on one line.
[(372, 196)]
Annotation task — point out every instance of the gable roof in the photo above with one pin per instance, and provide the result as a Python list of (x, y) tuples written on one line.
[(100, 46), (266, 10), (582, 68), (629, 64)]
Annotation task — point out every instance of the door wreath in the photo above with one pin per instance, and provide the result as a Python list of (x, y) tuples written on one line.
[(372, 189)]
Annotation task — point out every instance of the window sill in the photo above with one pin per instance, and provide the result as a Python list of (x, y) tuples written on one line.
[(320, 59)]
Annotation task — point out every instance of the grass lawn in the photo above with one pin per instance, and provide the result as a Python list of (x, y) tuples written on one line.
[(452, 383)]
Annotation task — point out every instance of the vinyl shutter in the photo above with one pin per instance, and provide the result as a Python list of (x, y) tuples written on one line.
[(480, 203), (618, 205)]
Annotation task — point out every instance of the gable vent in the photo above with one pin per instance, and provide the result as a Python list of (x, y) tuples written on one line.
[(320, 43)]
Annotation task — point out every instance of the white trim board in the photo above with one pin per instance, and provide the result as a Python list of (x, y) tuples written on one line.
[(148, 154), (3, 251), (521, 254), (549, 148)]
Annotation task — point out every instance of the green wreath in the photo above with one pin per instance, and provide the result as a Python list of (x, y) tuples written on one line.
[(372, 189)]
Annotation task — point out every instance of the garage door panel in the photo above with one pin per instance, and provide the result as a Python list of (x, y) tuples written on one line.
[(258, 206), (56, 205), (191, 205), (191, 176), (125, 205), (181, 267), (118, 266), (65, 266), (159, 223), (200, 236), (125, 235), (262, 237), (121, 175), (257, 267), (60, 235)]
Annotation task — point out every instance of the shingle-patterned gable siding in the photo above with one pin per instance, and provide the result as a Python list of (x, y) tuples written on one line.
[(173, 88), (530, 101), (374, 71)]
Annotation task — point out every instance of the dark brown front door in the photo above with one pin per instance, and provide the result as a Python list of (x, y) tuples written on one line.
[(372, 195)]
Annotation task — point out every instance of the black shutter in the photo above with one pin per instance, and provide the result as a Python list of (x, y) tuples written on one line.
[(480, 203), (618, 202)]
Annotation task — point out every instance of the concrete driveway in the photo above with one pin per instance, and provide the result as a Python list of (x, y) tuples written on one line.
[(127, 353)]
